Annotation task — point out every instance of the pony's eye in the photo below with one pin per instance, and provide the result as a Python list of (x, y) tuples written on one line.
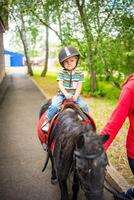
[(79, 169)]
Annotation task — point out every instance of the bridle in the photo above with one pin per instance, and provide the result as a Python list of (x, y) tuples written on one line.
[(88, 156), (110, 189)]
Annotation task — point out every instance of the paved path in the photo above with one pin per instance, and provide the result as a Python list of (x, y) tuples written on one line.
[(21, 155)]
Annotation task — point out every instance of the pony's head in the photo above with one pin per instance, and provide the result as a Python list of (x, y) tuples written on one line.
[(91, 162)]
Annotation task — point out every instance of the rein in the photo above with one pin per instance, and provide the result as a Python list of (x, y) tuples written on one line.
[(110, 188)]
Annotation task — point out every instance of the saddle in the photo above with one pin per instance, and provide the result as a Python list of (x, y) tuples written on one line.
[(48, 137)]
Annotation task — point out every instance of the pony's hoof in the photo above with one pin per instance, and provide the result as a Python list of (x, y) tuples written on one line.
[(54, 181)]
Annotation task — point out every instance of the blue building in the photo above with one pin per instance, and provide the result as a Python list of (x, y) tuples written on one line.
[(13, 59)]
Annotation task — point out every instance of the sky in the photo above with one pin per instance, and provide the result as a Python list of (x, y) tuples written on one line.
[(7, 39), (9, 44)]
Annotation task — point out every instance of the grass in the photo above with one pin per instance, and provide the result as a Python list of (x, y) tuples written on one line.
[(100, 110), (48, 84)]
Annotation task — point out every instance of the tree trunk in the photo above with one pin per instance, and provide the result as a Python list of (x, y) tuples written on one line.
[(93, 77), (28, 62), (2, 63), (43, 74), (89, 39), (25, 45)]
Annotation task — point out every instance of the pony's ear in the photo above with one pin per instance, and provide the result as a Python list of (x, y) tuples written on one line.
[(105, 138), (80, 141)]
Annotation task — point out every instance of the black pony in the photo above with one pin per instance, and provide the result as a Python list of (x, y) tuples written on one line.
[(78, 151)]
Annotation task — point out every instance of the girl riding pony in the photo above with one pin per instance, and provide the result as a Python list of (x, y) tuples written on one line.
[(70, 83)]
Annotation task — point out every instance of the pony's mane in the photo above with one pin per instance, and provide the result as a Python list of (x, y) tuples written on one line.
[(69, 128)]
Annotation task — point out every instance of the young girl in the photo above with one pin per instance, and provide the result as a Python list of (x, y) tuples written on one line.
[(69, 82), (124, 109)]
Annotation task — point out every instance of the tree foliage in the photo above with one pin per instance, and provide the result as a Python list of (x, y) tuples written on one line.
[(101, 29)]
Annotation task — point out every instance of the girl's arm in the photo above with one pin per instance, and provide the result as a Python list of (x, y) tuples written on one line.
[(118, 117), (63, 90), (78, 91)]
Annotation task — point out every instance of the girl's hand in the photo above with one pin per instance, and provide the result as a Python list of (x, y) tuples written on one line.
[(69, 96), (74, 98)]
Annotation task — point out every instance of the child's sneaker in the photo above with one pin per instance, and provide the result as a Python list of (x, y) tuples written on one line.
[(45, 126)]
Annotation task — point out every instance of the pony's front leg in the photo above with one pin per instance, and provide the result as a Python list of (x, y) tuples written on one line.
[(63, 188), (75, 186), (62, 174)]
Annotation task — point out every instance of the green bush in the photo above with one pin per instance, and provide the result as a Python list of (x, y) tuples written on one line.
[(104, 89), (108, 90)]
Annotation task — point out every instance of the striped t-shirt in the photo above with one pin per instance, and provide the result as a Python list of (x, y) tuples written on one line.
[(70, 80)]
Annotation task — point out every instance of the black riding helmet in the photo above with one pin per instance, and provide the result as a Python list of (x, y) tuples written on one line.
[(68, 52)]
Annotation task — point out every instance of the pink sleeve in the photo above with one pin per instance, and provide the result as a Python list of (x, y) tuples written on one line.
[(118, 116)]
